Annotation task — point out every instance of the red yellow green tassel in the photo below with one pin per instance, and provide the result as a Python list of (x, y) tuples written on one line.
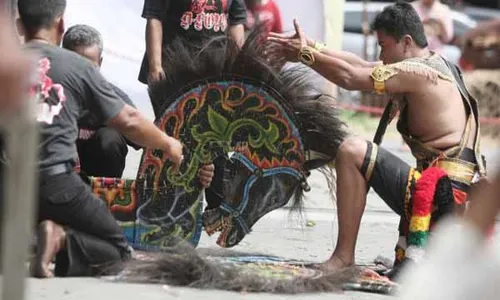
[(422, 198)]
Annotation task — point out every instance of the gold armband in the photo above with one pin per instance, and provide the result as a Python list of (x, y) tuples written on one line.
[(380, 75), (306, 55)]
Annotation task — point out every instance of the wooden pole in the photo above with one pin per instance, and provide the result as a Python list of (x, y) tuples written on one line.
[(20, 192), (365, 99), (18, 210)]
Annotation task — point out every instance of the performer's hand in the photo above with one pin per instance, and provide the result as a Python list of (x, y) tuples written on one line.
[(291, 44), (156, 73), (206, 173), (174, 153)]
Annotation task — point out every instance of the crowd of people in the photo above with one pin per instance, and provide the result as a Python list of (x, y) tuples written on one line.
[(82, 117)]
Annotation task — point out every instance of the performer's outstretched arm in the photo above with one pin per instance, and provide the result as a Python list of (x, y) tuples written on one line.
[(347, 71), (348, 57), (346, 75)]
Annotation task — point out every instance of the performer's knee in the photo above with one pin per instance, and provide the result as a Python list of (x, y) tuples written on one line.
[(352, 150)]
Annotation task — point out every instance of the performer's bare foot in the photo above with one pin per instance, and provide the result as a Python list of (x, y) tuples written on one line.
[(334, 264), (51, 237)]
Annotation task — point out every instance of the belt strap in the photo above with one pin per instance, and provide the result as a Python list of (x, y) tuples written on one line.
[(382, 125), (61, 168), (458, 170), (472, 102)]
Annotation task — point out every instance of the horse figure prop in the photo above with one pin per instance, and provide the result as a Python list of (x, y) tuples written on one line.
[(234, 107)]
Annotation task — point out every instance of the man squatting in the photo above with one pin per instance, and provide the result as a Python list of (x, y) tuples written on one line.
[(102, 151)]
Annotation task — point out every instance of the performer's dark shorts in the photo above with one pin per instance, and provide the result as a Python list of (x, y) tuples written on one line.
[(393, 179)]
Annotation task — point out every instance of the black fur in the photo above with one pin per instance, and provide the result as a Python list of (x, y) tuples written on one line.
[(186, 266), (443, 199)]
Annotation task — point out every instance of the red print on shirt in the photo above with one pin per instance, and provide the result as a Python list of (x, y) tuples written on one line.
[(204, 15), (43, 90), (201, 6)]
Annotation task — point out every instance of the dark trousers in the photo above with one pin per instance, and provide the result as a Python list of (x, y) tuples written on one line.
[(94, 241), (104, 154)]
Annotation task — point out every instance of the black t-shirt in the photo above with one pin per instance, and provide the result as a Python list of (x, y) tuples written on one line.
[(89, 124), (89, 121), (69, 85), (195, 18)]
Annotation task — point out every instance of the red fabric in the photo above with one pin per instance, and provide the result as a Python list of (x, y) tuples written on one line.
[(424, 191), (268, 12), (459, 196)]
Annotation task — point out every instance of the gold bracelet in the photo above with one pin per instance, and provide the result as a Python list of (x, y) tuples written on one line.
[(306, 55)]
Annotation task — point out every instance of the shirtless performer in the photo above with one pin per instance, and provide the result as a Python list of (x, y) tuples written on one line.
[(438, 125)]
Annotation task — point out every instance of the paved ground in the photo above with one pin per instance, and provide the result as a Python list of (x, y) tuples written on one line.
[(276, 234), (78, 289), (279, 233)]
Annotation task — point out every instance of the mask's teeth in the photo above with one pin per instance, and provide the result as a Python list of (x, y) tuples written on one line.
[(221, 241)]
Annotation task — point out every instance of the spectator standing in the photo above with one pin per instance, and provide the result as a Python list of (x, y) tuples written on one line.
[(192, 20), (438, 24), (264, 11)]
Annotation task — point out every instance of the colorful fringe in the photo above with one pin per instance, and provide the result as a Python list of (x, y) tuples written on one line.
[(420, 222)]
